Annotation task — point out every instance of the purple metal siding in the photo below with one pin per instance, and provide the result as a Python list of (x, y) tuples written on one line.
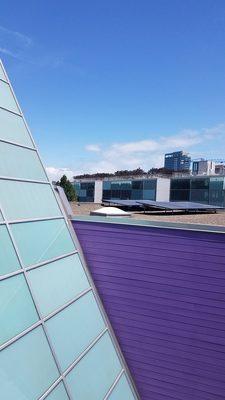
[(164, 292)]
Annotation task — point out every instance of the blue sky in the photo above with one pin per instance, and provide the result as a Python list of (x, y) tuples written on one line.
[(109, 85)]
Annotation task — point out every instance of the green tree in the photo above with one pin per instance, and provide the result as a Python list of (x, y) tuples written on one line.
[(68, 188)]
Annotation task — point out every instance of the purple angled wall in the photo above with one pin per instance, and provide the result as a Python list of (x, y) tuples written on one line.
[(164, 292)]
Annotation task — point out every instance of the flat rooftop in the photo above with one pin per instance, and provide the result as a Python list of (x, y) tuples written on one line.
[(217, 219)]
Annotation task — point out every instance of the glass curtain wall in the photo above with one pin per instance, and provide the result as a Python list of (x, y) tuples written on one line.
[(206, 190), (143, 189), (55, 342), (85, 191)]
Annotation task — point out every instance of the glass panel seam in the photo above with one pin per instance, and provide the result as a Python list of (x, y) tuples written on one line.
[(26, 125), (9, 178), (20, 335), (18, 144), (12, 112), (74, 363), (32, 140), (67, 304), (19, 221), (11, 274), (114, 385), (3, 80), (51, 388), (38, 310), (69, 369), (44, 319), (51, 260)]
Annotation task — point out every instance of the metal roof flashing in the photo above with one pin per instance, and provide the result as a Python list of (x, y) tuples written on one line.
[(151, 224)]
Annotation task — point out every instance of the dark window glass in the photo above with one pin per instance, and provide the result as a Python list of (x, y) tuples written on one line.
[(200, 183), (77, 185), (180, 184), (179, 195), (137, 185), (125, 194), (137, 195), (115, 194), (106, 194), (149, 184), (125, 185), (106, 185), (217, 192), (87, 185), (149, 194), (115, 185), (199, 196)]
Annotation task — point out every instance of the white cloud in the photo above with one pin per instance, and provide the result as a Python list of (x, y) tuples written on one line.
[(55, 174), (22, 47), (13, 43), (147, 153), (18, 36), (7, 52), (93, 147)]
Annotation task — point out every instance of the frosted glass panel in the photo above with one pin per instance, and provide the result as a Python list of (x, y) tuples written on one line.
[(27, 368), (92, 377), (56, 283), (8, 259), (58, 394), (2, 75), (73, 329), (18, 162), (6, 98), (122, 391), (42, 240), (23, 200), (13, 129), (17, 311)]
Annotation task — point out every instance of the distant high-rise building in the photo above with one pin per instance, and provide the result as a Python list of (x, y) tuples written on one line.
[(177, 161)]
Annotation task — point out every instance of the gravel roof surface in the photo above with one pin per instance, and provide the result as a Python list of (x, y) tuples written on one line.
[(202, 218)]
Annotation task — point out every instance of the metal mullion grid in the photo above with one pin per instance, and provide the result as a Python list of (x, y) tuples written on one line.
[(17, 144), (51, 260), (38, 265), (9, 178), (74, 363), (32, 140), (83, 262), (49, 316), (34, 144), (42, 323), (114, 385), (12, 112), (24, 120), (19, 221), (78, 359), (3, 80), (9, 84), (99, 302), (19, 271)]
